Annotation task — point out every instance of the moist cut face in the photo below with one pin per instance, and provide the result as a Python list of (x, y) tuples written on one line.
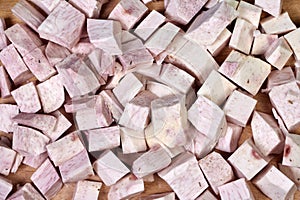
[(126, 98)]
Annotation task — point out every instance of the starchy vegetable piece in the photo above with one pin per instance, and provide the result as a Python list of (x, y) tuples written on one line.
[(262, 42), (109, 168), (27, 98), (35, 161), (247, 161), (272, 7), (132, 141), (249, 12), (87, 190), (6, 160), (291, 150), (5, 187), (217, 46), (90, 8), (278, 25), (3, 39), (26, 191), (46, 5), (63, 25), (185, 177), (292, 39), (128, 13), (56, 53), (5, 84), (8, 111), (274, 184), (236, 190), (292, 173), (47, 180)]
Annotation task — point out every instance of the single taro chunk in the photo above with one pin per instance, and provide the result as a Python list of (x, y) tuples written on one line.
[(278, 53), (106, 35), (218, 17), (216, 170), (292, 173), (6, 160), (262, 42), (5, 84), (27, 98), (183, 11), (278, 25), (274, 184), (128, 13), (46, 5), (185, 177), (5, 188), (292, 39), (63, 25), (247, 161), (35, 161), (291, 151), (249, 12), (132, 141), (7, 111), (272, 7), (3, 39), (26, 192), (238, 189), (112, 103), (28, 14), (221, 42), (280, 77), (23, 38), (51, 93), (47, 180), (267, 135), (169, 120), (207, 195), (110, 168), (136, 114), (91, 8), (14, 65), (87, 190), (56, 53)]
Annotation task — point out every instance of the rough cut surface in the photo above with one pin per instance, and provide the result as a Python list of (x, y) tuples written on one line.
[(292, 39), (271, 7), (7, 111), (26, 192), (291, 150), (6, 160), (292, 173), (63, 25), (46, 5), (87, 190), (278, 25), (3, 39), (5, 187), (262, 42), (238, 189), (5, 84), (55, 53), (249, 12)]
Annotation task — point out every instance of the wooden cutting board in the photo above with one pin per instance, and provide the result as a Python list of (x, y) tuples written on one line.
[(24, 173)]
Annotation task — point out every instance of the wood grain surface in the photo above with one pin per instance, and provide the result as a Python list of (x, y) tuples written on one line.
[(24, 173)]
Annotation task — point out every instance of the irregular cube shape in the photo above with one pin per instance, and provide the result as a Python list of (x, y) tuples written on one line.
[(272, 7), (93, 116), (90, 8), (41, 122), (7, 111), (126, 188), (185, 177), (292, 173), (76, 76), (149, 25), (132, 141), (62, 124), (262, 42), (128, 88), (151, 162), (242, 36), (63, 25), (160, 40), (23, 39), (207, 195), (5, 84), (207, 118), (51, 93), (278, 25), (112, 103), (55, 53), (26, 192), (246, 71), (3, 39), (136, 114), (285, 99), (28, 14), (216, 170), (6, 160), (109, 168), (70, 145), (128, 13), (103, 138), (38, 64), (216, 88), (278, 53), (249, 12), (229, 142), (28, 141), (176, 78), (159, 89), (18, 161), (47, 180), (291, 150), (6, 187), (169, 119), (27, 98), (279, 77), (87, 190), (183, 11), (217, 46), (46, 5), (77, 168), (219, 16), (271, 180), (238, 189), (35, 161), (14, 65), (238, 108), (105, 34), (292, 39), (267, 135), (247, 161)]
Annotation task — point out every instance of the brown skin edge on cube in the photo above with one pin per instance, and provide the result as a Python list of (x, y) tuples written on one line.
[(158, 186)]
